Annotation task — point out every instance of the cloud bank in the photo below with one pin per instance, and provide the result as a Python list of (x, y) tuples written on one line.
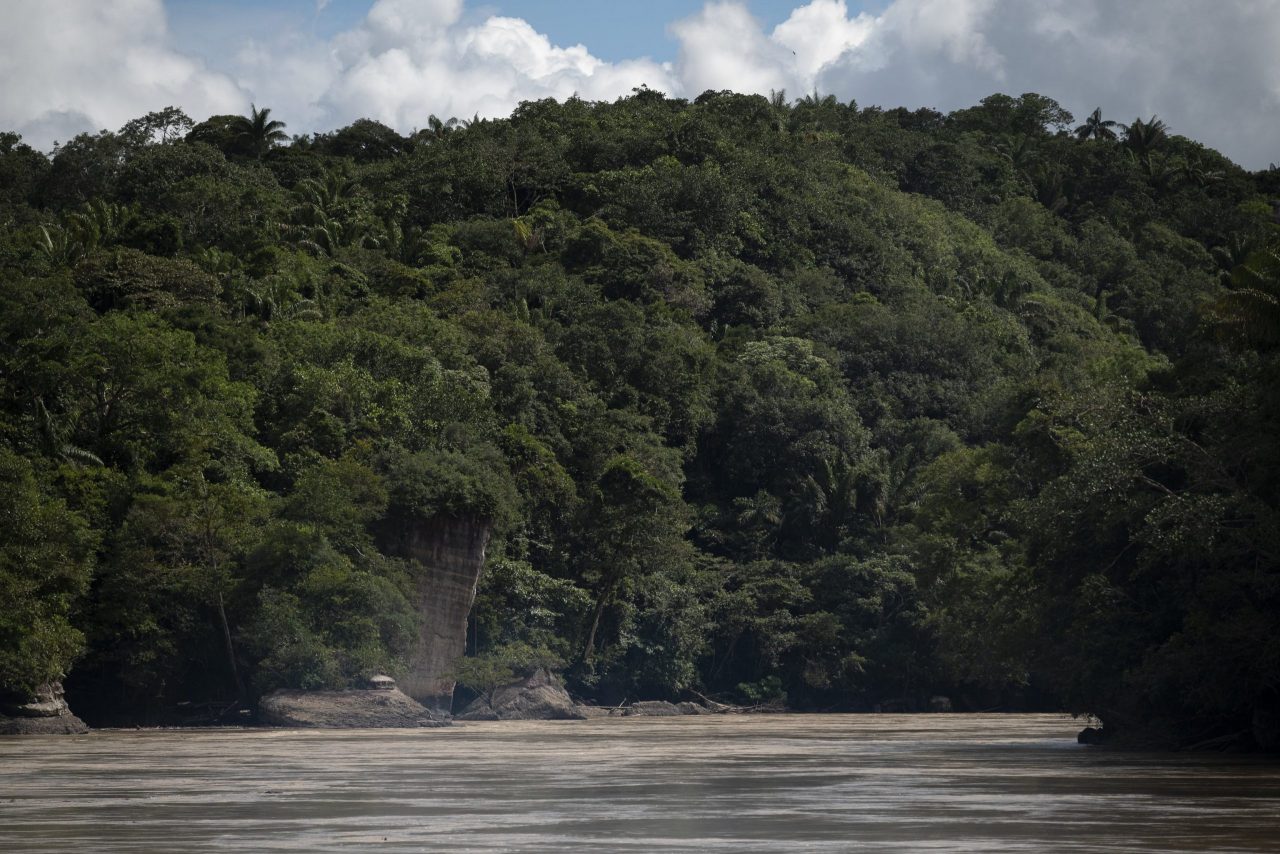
[(1209, 69), (73, 65)]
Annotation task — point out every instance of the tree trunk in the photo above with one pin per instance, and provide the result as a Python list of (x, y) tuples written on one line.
[(606, 593), (591, 635), (231, 652)]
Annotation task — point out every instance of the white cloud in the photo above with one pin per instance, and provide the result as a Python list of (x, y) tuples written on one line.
[(723, 47), (391, 24), (409, 59), (952, 28), (288, 74), (820, 33), (74, 65), (399, 69), (1209, 69)]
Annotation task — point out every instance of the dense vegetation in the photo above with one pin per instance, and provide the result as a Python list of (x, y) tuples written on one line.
[(763, 399)]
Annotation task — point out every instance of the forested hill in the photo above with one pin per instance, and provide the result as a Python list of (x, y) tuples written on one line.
[(762, 399)]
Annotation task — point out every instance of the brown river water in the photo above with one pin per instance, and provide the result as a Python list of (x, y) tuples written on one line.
[(740, 784)]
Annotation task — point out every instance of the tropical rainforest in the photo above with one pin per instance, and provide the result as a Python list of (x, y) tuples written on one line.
[(766, 400)]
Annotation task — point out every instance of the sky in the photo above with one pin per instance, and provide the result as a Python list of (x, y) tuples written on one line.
[(1209, 68)]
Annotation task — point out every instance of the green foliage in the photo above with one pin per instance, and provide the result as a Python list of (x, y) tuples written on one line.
[(45, 560), (323, 619), (502, 664), (1250, 310), (449, 483), (340, 497), (168, 575), (759, 398), (515, 604), (127, 279)]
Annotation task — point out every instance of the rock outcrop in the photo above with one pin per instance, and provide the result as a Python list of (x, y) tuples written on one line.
[(648, 708), (653, 709), (539, 697), (46, 713), (450, 553), (687, 708), (380, 705)]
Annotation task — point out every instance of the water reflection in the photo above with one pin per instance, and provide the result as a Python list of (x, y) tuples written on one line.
[(796, 783)]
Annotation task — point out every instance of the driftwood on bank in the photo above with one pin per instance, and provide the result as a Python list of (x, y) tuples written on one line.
[(728, 709)]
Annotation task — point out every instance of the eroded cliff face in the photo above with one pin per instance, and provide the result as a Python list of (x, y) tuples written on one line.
[(450, 553), (46, 713)]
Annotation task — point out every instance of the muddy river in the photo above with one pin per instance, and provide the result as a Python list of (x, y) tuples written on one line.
[(742, 783)]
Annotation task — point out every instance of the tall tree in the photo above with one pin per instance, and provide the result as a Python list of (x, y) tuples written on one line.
[(437, 128), (259, 131), (163, 126), (1143, 138), (1096, 127)]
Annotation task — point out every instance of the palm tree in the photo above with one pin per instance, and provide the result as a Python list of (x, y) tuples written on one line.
[(331, 193), (1200, 173), (1051, 183), (259, 130), (1231, 254), (815, 113), (1020, 151), (437, 129), (1095, 127), (58, 248), (1142, 138), (779, 108), (270, 300), (97, 224), (57, 439), (817, 100), (1249, 313)]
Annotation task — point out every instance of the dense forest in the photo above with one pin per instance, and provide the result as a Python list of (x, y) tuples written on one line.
[(768, 400)]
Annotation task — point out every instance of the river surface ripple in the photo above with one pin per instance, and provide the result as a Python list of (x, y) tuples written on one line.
[(740, 783)]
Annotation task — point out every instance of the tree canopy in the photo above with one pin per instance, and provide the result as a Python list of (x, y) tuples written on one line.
[(766, 400)]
